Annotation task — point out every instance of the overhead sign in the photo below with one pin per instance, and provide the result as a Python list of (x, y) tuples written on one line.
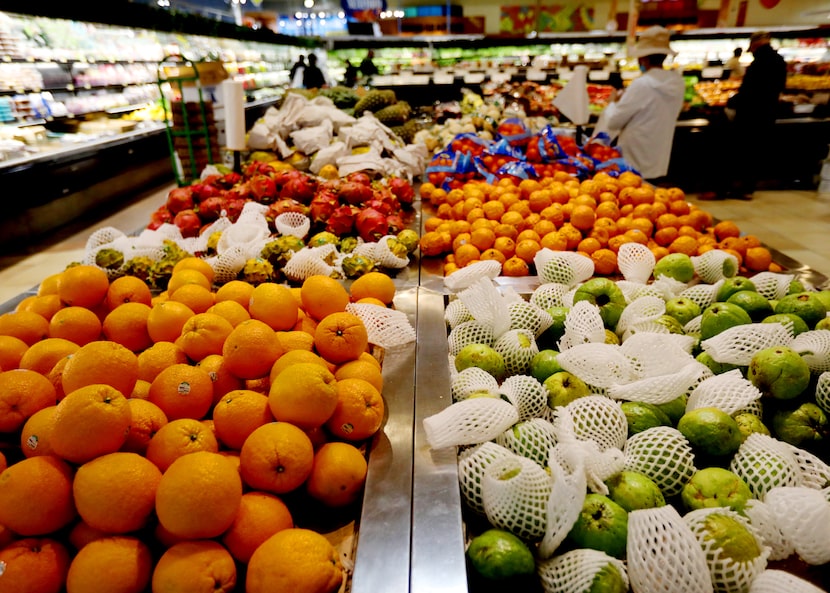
[(363, 10)]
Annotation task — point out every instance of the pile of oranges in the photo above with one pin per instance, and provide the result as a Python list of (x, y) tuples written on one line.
[(511, 220), (162, 442)]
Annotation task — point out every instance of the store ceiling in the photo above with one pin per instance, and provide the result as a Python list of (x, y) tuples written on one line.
[(222, 8)]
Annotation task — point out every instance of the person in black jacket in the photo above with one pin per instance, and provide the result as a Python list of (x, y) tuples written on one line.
[(367, 66), (755, 106), (350, 76), (312, 75)]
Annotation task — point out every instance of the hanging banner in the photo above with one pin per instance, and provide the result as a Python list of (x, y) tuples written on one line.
[(544, 19), (363, 10)]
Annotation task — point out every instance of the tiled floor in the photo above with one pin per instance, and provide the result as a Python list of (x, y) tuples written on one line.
[(795, 223)]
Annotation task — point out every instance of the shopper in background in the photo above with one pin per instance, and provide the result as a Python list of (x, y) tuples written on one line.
[(755, 106), (645, 114), (367, 66), (298, 65), (733, 64), (351, 74), (312, 75)]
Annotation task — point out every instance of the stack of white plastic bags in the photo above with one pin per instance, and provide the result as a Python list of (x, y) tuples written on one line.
[(528, 467)]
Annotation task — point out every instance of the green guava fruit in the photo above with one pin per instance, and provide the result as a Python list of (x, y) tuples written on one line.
[(608, 580), (715, 487), (549, 340), (633, 490), (749, 423), (714, 366), (683, 309), (806, 305), (795, 287), (678, 266), (823, 324), (483, 357), (605, 294), (544, 364), (753, 303), (824, 297), (779, 372), (731, 539), (642, 416), (497, 554), (797, 322), (719, 317), (711, 431), (806, 424), (671, 324), (732, 285), (564, 387), (602, 525), (675, 408), (611, 338)]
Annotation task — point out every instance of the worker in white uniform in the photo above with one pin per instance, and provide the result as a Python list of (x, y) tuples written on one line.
[(644, 114)]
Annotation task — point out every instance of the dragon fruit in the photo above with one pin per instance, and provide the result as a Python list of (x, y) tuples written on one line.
[(240, 191), (396, 223), (233, 208), (322, 207), (387, 206), (211, 208), (263, 189), (280, 250), (341, 221), (203, 191), (257, 168), (161, 216), (356, 265), (228, 180), (356, 194), (402, 190), (359, 177), (371, 225), (283, 206), (257, 270), (301, 188), (188, 222), (179, 198)]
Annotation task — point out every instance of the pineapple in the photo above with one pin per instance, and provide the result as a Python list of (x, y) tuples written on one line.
[(395, 114), (374, 101)]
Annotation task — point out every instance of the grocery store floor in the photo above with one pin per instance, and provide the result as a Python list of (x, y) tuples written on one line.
[(795, 223)]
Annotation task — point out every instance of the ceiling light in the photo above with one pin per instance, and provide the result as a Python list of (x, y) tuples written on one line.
[(308, 3)]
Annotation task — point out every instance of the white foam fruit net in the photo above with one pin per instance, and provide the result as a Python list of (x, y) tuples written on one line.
[(526, 315), (517, 347), (597, 465), (228, 264), (755, 407), (515, 492), (814, 472), (564, 504), (310, 261), (714, 264), (781, 581), (803, 515), (583, 324), (549, 295), (469, 332), (469, 422), (764, 523), (728, 573), (471, 274), (658, 354), (487, 306), (663, 454), (764, 463), (387, 328), (646, 308), (456, 313), (295, 224), (772, 285), (575, 571), (663, 554), (471, 465), (636, 262), (728, 392), (599, 364), (532, 438), (564, 267), (738, 344), (661, 389), (528, 396), (472, 380), (381, 252), (692, 328), (634, 290), (814, 348), (703, 294), (592, 418), (823, 391)]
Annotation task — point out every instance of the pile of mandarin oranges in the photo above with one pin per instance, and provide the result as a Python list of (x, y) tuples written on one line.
[(511, 220), (161, 442)]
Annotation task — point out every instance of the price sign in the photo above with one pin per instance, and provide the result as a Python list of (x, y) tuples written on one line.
[(712, 72), (536, 75), (599, 75), (474, 78)]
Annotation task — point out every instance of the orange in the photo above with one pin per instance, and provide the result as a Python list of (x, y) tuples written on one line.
[(303, 394), (527, 249), (466, 254), (359, 411), (36, 435), (45, 306), (294, 561), (33, 565), (223, 380), (260, 516), (89, 422), (683, 244), (275, 305), (3, 465), (25, 325), (734, 243), (361, 369), (187, 276), (158, 357), (101, 362), (182, 391), (43, 355), (22, 393), (605, 261), (140, 391), (83, 286), (338, 474), (116, 493), (198, 298), (197, 566), (128, 289), (11, 351), (49, 285), (204, 334), (146, 420), (322, 295), (295, 340), (515, 266), (198, 495), (555, 241), (76, 324), (177, 438), (81, 534), (127, 325), (757, 259), (492, 254), (237, 414), (166, 320), (726, 228), (378, 285), (195, 263), (36, 496), (276, 457), (340, 337), (293, 357), (117, 564), (230, 310), (666, 235), (251, 349), (235, 290)]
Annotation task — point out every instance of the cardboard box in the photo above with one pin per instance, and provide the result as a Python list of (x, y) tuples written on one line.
[(210, 73)]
